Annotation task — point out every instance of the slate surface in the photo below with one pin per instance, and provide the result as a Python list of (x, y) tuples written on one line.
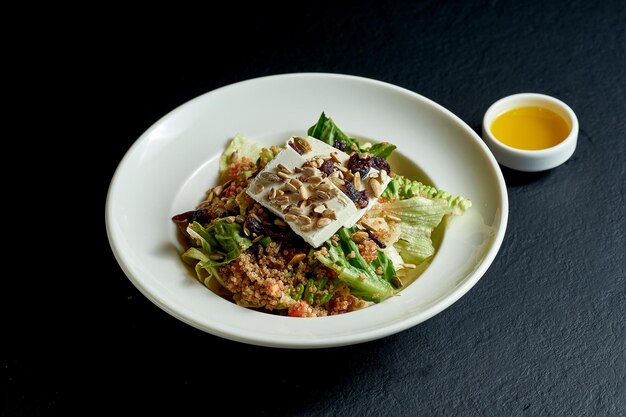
[(542, 333)]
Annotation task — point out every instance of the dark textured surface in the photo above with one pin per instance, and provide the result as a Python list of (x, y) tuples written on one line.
[(542, 333)]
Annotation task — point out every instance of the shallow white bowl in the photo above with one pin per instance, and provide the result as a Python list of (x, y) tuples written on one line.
[(531, 160), (171, 165)]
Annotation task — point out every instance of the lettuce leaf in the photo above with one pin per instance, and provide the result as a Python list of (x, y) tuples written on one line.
[(327, 131), (242, 145), (420, 208), (354, 271)]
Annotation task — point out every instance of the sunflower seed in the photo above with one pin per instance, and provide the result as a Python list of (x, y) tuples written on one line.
[(282, 200), (383, 175), (297, 258), (310, 171), (337, 181), (268, 177), (283, 168), (234, 157), (393, 218), (283, 175), (210, 196), (257, 239), (239, 218), (272, 194), (280, 223), (304, 220), (342, 168), (216, 256), (335, 157), (322, 195), (409, 266), (374, 184), (296, 210), (307, 227), (356, 180), (314, 179), (372, 174), (289, 187), (246, 231), (330, 213), (304, 194), (323, 222), (230, 219), (291, 218), (218, 190)]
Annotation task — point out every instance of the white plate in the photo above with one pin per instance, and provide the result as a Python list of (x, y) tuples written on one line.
[(171, 165)]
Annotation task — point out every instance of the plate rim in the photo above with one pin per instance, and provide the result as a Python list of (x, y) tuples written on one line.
[(347, 339)]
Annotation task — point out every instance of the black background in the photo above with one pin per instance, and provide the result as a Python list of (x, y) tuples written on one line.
[(542, 333)]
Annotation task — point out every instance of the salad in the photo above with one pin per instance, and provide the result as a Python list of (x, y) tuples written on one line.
[(320, 226)]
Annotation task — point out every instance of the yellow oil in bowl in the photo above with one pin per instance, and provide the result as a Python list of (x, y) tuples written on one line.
[(530, 128)]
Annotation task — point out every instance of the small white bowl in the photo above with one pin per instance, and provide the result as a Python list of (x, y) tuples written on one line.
[(531, 160)]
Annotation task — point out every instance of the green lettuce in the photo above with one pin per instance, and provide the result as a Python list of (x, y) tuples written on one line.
[(327, 131), (244, 147), (354, 271), (219, 244), (420, 208)]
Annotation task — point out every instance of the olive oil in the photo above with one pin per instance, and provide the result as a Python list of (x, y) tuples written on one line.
[(530, 128)]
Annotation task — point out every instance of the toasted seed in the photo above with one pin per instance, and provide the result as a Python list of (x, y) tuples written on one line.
[(257, 239), (363, 155), (342, 168), (295, 183), (309, 171), (291, 218), (304, 219), (279, 192), (409, 266), (230, 219), (297, 258), (301, 203), (282, 175), (296, 210), (393, 218), (280, 222), (210, 196), (272, 194), (322, 195), (282, 200), (239, 218), (372, 174), (268, 177), (307, 227), (216, 256), (348, 175), (325, 186), (319, 162), (246, 231), (218, 190), (330, 213), (302, 144), (314, 179), (284, 169), (384, 175), (297, 170), (323, 222), (397, 282), (335, 157), (337, 181), (359, 236), (356, 180), (304, 194), (289, 187), (320, 208), (231, 204), (234, 157), (374, 184)]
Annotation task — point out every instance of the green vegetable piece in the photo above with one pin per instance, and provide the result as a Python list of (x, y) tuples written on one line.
[(383, 149), (265, 241), (361, 279), (308, 295), (298, 293), (244, 147)]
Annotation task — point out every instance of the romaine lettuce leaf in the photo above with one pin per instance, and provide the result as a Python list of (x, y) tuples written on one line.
[(242, 145)]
